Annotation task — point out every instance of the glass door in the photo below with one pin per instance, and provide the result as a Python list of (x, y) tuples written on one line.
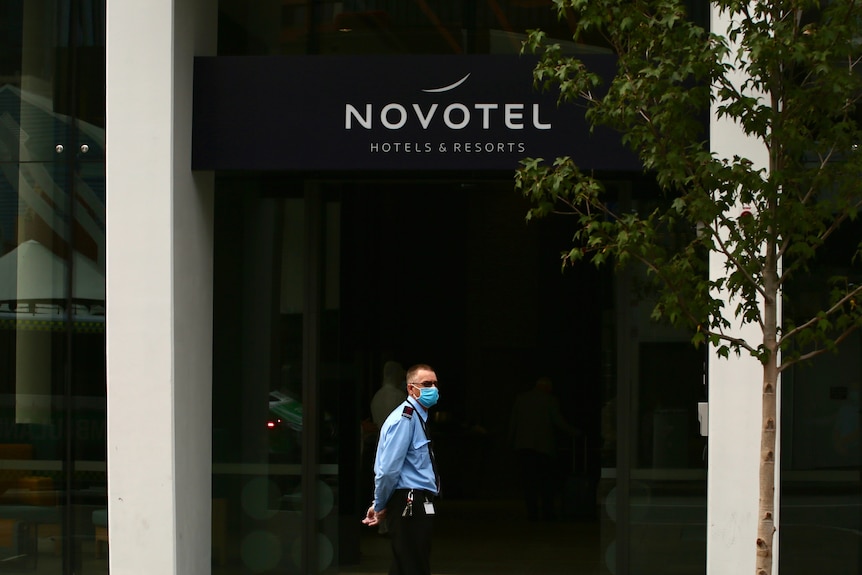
[(52, 287), (275, 378), (653, 495)]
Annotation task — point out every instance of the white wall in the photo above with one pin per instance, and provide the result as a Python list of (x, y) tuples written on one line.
[(159, 291), (734, 408)]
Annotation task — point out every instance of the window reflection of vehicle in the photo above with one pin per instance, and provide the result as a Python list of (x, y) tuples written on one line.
[(285, 421), (284, 410)]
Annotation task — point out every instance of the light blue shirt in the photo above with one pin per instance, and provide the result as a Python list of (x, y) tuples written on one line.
[(403, 459)]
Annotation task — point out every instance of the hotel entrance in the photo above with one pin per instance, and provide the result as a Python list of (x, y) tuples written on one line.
[(318, 284)]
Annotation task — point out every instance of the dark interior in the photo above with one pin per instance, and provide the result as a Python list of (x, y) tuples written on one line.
[(451, 274), (443, 272)]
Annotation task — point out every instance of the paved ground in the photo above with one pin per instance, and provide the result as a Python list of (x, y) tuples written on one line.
[(489, 539)]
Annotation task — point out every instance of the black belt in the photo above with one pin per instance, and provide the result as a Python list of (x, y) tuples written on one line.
[(424, 492)]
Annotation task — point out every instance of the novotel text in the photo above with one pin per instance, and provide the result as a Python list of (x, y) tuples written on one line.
[(455, 116)]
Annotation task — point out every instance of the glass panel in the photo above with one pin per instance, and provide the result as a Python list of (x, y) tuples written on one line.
[(52, 387), (30, 125), (386, 27), (52, 294), (334, 415), (33, 355), (667, 491), (257, 415), (260, 420), (820, 519), (821, 490), (87, 407), (654, 504), (609, 446), (397, 27), (374, 305)]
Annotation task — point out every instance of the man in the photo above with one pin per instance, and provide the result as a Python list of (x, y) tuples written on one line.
[(405, 476)]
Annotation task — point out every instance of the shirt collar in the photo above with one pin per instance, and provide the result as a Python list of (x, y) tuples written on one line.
[(423, 413)]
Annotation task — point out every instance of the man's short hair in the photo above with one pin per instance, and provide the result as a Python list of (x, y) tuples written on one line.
[(418, 367)]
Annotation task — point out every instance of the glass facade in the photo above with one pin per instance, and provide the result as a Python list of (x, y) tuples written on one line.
[(635, 485), (821, 458), (631, 492), (275, 441), (653, 485), (53, 496), (319, 281), (322, 282), (384, 27)]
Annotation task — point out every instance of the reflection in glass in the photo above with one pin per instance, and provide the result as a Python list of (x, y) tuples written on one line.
[(261, 409), (257, 400), (821, 456), (389, 27), (654, 501), (53, 497)]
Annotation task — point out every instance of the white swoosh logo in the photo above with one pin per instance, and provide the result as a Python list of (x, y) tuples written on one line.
[(449, 87)]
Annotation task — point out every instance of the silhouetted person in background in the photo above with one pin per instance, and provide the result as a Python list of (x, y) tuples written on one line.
[(536, 419), (391, 393)]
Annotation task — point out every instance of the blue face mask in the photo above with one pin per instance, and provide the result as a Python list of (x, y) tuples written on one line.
[(428, 396)]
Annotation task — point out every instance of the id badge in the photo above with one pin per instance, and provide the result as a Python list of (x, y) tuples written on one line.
[(429, 508)]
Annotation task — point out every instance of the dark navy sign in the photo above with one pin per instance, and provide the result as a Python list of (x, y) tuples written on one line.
[(387, 113)]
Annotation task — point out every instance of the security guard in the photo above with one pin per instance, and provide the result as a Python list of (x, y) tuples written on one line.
[(406, 480)]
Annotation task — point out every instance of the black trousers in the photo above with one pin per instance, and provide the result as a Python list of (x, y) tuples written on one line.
[(410, 534)]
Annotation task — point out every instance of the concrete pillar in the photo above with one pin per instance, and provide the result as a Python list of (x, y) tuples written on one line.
[(159, 291), (735, 400)]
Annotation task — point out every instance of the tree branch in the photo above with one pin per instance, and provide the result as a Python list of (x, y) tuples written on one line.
[(812, 321), (816, 352)]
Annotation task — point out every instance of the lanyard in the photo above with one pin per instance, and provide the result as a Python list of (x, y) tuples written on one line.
[(430, 453)]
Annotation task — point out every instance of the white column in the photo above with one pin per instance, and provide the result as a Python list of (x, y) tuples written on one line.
[(159, 291), (735, 398)]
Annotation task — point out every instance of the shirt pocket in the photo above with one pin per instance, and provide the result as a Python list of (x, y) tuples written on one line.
[(421, 448)]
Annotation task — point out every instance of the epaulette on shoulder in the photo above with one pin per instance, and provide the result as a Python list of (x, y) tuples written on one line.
[(407, 412)]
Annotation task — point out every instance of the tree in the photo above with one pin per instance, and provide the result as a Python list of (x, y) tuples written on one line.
[(798, 95)]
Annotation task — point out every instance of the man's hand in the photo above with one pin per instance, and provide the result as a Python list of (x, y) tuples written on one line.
[(372, 517)]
